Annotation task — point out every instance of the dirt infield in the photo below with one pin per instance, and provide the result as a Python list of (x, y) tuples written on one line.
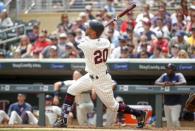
[(185, 126), (80, 129)]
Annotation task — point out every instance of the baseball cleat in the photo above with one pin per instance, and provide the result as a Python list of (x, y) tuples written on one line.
[(141, 120), (60, 123)]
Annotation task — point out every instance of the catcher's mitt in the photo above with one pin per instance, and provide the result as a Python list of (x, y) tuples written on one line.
[(190, 103)]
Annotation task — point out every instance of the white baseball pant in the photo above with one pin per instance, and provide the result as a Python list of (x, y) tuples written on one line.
[(3, 116), (82, 111), (110, 117), (103, 88), (16, 119), (172, 114)]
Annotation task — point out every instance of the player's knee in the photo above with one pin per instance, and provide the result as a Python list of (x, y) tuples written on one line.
[(2, 113), (113, 107), (85, 106), (14, 113), (28, 112)]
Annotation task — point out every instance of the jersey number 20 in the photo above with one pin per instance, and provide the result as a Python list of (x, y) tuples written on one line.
[(100, 56)]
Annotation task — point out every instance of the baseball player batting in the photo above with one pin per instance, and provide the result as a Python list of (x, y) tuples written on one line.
[(96, 51)]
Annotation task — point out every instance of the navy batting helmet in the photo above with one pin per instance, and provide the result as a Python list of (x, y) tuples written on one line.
[(97, 26)]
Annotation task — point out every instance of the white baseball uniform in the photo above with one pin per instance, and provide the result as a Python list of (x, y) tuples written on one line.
[(3, 116), (51, 114), (84, 104), (96, 52)]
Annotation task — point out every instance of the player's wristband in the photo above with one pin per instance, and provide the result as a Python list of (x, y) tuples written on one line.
[(56, 93), (62, 83)]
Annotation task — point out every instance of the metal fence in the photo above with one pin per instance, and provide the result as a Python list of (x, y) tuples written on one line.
[(12, 33), (158, 91)]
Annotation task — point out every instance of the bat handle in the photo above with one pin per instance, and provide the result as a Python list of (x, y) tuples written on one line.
[(114, 19)]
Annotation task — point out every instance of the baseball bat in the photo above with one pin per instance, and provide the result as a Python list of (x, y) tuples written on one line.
[(129, 8)]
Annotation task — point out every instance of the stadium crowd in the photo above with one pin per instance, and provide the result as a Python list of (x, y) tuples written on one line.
[(147, 35)]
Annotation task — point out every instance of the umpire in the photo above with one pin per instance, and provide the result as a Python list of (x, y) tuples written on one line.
[(172, 103)]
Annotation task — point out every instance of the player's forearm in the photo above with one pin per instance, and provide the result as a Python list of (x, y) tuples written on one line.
[(57, 86)]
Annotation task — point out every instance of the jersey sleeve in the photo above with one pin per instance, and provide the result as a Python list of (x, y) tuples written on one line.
[(182, 79), (82, 44), (28, 107), (160, 81), (68, 82)]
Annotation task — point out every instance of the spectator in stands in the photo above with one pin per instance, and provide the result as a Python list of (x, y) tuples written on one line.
[(192, 18), (53, 52), (5, 20), (143, 44), (180, 24), (145, 30), (79, 34), (4, 118), (191, 39), (182, 54), (64, 26), (159, 42), (66, 46), (157, 53), (109, 7), (21, 112), (84, 20), (163, 14), (144, 14), (88, 10), (40, 44), (34, 35), (172, 103), (124, 52), (35, 54), (129, 23), (24, 47), (161, 27), (45, 32), (123, 41), (192, 52), (174, 51), (72, 39), (178, 9), (165, 53), (180, 40), (143, 54), (54, 42)]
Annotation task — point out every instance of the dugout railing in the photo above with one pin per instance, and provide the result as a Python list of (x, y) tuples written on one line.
[(158, 91)]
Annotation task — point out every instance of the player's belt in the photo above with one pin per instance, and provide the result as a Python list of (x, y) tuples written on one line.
[(95, 77)]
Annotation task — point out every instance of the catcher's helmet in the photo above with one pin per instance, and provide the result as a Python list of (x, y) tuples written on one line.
[(170, 66), (97, 26)]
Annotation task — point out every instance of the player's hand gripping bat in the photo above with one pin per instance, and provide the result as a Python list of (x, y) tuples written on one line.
[(129, 8)]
